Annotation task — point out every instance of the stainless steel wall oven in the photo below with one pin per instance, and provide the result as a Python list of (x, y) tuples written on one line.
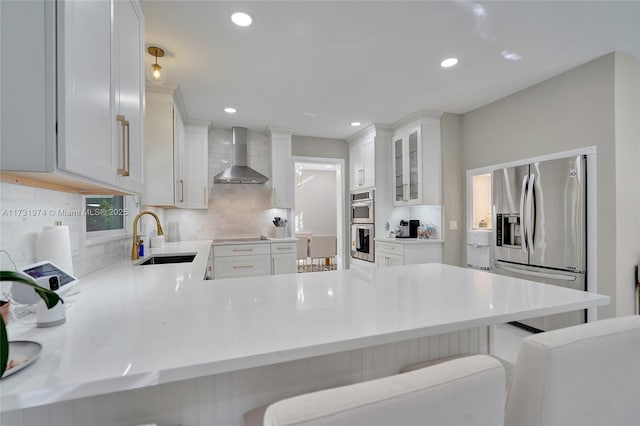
[(362, 225)]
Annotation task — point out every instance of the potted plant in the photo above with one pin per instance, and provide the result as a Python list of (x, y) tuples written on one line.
[(49, 297)]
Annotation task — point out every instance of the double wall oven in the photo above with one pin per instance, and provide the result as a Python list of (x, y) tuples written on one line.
[(362, 225)]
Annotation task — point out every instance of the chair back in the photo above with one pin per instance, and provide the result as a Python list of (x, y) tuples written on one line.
[(322, 246), (464, 391), (583, 375), (302, 247)]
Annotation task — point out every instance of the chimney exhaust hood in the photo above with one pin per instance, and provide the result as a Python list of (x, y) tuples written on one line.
[(239, 172)]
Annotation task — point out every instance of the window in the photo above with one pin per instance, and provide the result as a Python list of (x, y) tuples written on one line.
[(105, 213)]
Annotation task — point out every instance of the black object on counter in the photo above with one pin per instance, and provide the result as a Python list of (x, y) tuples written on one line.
[(414, 224)]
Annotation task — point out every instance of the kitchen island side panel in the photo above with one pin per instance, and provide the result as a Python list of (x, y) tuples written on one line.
[(222, 399)]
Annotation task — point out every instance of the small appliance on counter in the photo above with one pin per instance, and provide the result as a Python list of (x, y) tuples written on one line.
[(414, 224), (403, 230)]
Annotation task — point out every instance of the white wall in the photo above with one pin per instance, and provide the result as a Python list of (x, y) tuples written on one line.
[(573, 110), (453, 189), (18, 230), (627, 167), (315, 210)]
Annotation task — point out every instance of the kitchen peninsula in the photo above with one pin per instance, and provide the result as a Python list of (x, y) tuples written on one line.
[(187, 350)]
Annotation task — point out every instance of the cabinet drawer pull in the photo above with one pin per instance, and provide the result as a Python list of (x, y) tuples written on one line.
[(243, 267), (282, 248), (124, 171), (234, 250)]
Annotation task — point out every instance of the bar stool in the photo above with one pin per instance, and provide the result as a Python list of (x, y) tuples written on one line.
[(323, 247)]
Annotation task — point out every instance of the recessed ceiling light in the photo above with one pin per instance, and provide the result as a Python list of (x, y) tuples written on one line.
[(241, 19), (355, 123), (230, 110), (511, 56), (449, 62), (479, 10)]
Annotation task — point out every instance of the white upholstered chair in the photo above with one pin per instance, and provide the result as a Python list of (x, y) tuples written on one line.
[(465, 391), (583, 375), (323, 248), (302, 252)]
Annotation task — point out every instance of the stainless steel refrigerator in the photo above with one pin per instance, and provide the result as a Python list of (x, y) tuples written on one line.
[(540, 228)]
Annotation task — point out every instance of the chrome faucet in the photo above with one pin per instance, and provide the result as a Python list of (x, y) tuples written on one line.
[(134, 246)]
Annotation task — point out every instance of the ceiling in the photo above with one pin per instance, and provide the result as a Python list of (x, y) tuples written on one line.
[(316, 66)]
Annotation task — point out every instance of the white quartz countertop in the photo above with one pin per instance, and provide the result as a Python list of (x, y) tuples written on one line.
[(409, 240), (136, 326)]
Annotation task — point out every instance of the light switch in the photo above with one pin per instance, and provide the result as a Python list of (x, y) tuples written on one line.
[(453, 225)]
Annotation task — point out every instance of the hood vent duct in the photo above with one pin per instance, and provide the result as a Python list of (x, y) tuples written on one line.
[(239, 172)]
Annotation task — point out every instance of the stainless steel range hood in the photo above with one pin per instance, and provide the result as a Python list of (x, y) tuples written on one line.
[(239, 172)]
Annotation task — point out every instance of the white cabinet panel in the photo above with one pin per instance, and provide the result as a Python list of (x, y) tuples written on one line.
[(362, 163), (283, 258), (241, 266), (195, 172), (282, 169), (159, 136), (392, 254), (128, 71), (241, 250), (85, 91)]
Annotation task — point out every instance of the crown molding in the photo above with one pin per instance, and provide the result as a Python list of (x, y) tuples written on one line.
[(278, 131), (418, 115), (370, 130)]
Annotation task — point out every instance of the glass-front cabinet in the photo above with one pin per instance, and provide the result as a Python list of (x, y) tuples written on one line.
[(407, 168)]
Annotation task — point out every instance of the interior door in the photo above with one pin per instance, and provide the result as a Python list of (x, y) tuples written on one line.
[(508, 194), (557, 231)]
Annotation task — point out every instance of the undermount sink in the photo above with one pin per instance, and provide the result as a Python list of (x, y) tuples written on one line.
[(161, 259)]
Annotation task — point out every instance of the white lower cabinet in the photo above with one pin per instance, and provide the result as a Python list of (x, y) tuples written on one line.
[(250, 260), (398, 253), (283, 258), (241, 260)]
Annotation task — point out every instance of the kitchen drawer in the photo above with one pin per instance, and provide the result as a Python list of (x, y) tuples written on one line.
[(392, 248), (241, 266), (277, 248), (241, 250)]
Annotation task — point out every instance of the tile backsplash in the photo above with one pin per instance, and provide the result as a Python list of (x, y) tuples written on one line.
[(25, 210), (425, 214)]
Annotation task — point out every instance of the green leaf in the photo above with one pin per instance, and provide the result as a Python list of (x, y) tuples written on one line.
[(50, 298)]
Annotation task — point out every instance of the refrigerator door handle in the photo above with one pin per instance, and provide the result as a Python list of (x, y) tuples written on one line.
[(531, 214), (560, 277), (523, 227)]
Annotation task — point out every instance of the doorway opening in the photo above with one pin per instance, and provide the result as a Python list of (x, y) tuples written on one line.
[(320, 201)]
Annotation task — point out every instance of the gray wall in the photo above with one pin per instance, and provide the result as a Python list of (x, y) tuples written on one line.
[(309, 146), (316, 202), (453, 189), (572, 110), (627, 158)]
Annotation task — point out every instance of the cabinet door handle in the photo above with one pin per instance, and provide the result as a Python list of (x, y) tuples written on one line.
[(181, 191), (243, 267), (362, 176), (205, 196), (124, 171), (273, 266)]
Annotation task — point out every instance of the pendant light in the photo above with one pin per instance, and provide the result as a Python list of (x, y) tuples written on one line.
[(155, 73)]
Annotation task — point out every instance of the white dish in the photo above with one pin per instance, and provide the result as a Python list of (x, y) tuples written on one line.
[(22, 348)]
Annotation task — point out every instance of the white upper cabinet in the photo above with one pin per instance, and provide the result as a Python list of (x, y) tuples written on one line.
[(362, 162), (416, 163), (176, 165), (81, 85), (195, 171), (282, 169), (128, 71), (85, 145), (407, 167)]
